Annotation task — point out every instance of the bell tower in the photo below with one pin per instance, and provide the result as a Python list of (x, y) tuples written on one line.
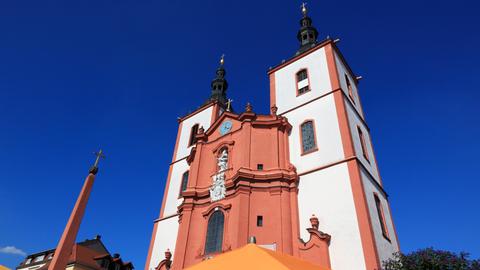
[(166, 226), (331, 147)]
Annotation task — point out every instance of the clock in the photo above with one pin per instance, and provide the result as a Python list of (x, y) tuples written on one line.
[(225, 127)]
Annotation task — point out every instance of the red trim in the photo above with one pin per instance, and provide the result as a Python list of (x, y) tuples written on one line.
[(370, 252), (294, 59), (272, 90), (296, 82), (181, 119), (214, 114), (326, 166), (381, 218), (314, 137), (165, 192), (150, 249)]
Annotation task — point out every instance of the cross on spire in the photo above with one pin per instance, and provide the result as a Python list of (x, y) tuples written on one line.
[(304, 9), (229, 104), (222, 59), (98, 155)]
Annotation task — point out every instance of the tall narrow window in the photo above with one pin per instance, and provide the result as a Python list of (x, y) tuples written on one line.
[(381, 216), (193, 133), (184, 182), (302, 82), (364, 145), (307, 134), (350, 88), (214, 237)]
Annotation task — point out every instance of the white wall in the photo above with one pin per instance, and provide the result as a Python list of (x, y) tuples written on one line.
[(173, 200), (384, 247), (166, 238), (328, 195), (285, 81), (342, 70), (354, 121), (329, 142), (202, 118)]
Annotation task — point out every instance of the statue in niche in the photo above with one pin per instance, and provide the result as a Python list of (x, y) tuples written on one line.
[(218, 190), (222, 161)]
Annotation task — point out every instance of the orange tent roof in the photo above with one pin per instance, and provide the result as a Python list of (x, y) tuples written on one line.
[(254, 257), (3, 267)]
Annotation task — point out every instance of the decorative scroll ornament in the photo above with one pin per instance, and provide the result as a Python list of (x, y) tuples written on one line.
[(218, 190)]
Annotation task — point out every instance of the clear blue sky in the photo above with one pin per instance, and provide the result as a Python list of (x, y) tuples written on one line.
[(79, 75)]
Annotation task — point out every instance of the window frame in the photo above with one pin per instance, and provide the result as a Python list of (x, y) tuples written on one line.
[(363, 144), (297, 81), (314, 149), (350, 91), (191, 139), (381, 216), (181, 183), (206, 233)]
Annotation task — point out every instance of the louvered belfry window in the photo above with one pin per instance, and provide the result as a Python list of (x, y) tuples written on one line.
[(302, 82), (214, 238), (308, 137)]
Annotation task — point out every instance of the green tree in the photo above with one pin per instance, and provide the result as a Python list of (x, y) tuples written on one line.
[(431, 259)]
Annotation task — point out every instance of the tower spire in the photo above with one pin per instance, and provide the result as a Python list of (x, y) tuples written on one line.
[(65, 245), (219, 84), (307, 35)]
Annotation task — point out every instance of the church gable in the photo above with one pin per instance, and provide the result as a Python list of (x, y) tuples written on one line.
[(227, 123)]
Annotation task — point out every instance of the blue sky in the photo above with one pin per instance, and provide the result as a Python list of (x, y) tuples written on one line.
[(79, 75)]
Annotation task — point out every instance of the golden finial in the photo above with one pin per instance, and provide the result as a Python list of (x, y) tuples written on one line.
[(304, 9), (222, 59)]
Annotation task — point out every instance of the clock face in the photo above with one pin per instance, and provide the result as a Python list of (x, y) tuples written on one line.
[(225, 127)]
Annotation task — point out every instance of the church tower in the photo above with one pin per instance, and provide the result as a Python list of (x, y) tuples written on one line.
[(166, 227), (331, 147), (302, 180)]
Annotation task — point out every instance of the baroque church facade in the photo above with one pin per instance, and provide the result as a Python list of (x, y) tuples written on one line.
[(302, 180)]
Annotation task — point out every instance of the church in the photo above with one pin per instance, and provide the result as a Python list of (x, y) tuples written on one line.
[(301, 181)]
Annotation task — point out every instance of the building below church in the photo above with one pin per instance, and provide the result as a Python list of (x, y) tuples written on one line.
[(302, 180), (90, 254)]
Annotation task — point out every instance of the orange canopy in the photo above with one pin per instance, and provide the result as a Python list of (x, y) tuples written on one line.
[(253, 257)]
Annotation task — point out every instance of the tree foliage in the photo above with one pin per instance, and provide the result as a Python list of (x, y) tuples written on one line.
[(431, 259)]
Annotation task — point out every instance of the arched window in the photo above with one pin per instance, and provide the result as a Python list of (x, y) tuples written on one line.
[(302, 82), (214, 237), (184, 182), (307, 133), (193, 132)]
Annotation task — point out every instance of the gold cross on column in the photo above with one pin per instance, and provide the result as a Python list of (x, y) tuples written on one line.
[(229, 104)]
